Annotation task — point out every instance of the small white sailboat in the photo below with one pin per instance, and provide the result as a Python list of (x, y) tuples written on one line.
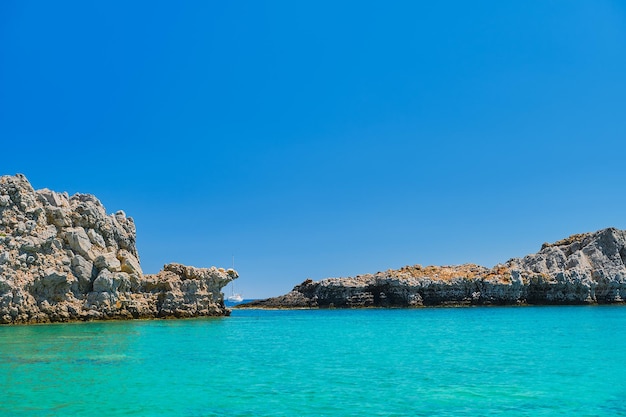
[(234, 297)]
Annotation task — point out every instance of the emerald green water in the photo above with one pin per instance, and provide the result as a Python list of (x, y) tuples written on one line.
[(530, 361)]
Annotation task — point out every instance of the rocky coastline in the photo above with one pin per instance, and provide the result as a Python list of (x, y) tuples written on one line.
[(585, 268), (64, 259)]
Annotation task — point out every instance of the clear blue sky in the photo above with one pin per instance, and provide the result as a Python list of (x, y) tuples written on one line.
[(323, 138)]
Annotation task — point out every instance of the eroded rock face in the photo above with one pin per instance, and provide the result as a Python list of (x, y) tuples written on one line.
[(63, 258), (582, 269)]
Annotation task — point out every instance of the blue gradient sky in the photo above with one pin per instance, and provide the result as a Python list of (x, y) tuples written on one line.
[(323, 138)]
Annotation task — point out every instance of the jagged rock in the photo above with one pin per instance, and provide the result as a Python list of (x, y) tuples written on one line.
[(586, 268), (53, 198), (129, 263), (111, 282), (96, 238), (79, 242), (108, 261), (189, 291), (58, 217), (84, 271), (63, 258)]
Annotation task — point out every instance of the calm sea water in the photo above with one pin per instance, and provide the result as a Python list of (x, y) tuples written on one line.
[(530, 361)]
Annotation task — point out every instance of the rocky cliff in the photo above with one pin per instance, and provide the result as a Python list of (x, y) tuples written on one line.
[(586, 268), (63, 258)]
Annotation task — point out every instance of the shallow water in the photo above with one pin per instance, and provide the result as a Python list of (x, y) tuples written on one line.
[(440, 361)]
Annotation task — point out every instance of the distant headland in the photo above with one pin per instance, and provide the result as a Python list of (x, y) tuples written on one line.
[(586, 268), (63, 258)]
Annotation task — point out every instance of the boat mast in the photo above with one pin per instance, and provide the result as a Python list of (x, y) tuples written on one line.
[(232, 283)]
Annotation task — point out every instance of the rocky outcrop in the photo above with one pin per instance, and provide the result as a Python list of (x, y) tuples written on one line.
[(582, 269), (63, 258)]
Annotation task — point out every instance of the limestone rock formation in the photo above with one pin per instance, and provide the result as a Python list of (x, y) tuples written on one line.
[(586, 268), (63, 258)]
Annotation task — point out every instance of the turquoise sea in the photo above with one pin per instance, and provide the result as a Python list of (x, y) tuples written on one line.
[(481, 361)]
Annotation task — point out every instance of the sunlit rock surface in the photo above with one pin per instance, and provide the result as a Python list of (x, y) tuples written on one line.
[(582, 269), (63, 258)]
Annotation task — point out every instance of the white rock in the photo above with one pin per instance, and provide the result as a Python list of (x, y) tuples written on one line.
[(79, 242), (48, 233), (83, 270), (120, 215), (96, 238), (107, 281), (104, 282), (130, 264), (53, 198), (108, 261), (31, 244), (58, 217)]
